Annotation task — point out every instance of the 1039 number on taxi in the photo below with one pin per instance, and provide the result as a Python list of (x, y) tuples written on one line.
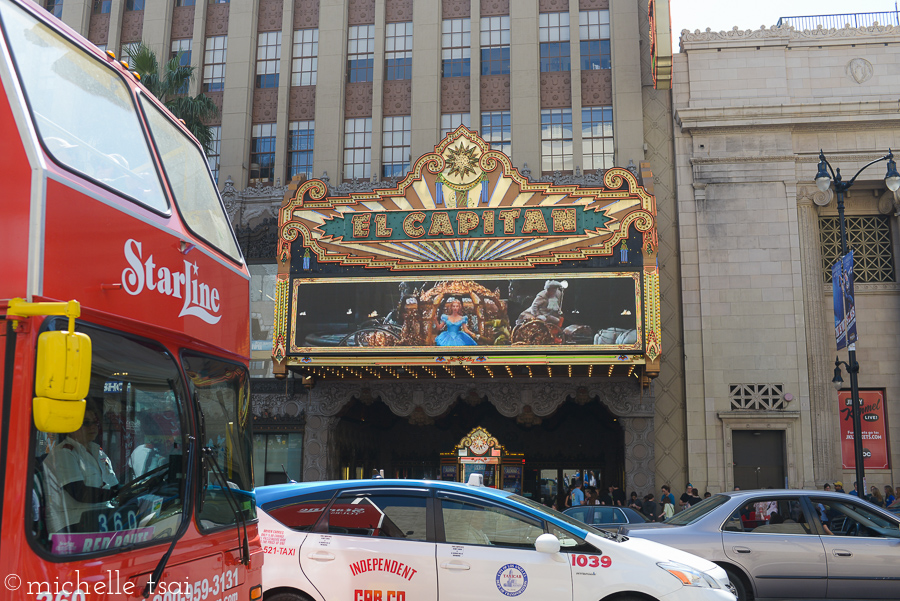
[(591, 561)]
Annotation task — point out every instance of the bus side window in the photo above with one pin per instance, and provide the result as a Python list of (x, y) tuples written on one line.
[(119, 479)]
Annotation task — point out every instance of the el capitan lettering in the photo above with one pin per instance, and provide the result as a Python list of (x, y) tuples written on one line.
[(472, 223)]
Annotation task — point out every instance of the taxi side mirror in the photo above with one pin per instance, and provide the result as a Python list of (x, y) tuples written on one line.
[(62, 379), (547, 543)]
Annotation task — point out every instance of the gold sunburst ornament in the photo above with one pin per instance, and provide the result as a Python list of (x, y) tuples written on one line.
[(461, 161)]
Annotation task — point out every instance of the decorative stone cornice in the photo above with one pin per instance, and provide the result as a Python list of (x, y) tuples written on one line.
[(869, 288), (845, 126), (790, 115), (784, 34), (778, 158), (251, 205)]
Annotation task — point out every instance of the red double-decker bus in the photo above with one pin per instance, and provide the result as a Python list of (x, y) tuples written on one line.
[(124, 339)]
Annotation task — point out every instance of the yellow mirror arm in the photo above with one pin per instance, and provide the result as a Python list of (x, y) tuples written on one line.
[(21, 308)]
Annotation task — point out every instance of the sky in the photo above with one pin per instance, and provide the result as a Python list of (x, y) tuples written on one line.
[(723, 15)]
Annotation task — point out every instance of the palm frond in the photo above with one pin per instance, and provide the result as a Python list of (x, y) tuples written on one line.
[(167, 82), (196, 111), (142, 59)]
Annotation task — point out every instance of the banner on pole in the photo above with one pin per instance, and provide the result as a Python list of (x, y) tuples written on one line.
[(844, 304), (873, 418)]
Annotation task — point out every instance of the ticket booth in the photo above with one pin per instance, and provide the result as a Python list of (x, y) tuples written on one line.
[(479, 452)]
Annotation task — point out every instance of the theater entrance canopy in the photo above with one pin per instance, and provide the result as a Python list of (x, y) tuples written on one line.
[(468, 269)]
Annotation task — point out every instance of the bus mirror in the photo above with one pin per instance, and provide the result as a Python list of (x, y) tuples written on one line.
[(63, 370), (62, 379), (53, 415), (62, 374)]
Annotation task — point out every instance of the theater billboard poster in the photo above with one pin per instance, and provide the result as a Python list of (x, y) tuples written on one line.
[(492, 313), (466, 257), (873, 417)]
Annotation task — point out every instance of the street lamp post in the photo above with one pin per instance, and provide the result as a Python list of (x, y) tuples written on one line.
[(823, 182)]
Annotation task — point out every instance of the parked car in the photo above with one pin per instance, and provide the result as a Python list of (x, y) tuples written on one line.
[(794, 544), (895, 507), (604, 516), (392, 540)]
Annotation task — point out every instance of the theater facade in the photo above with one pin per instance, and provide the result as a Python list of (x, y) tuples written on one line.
[(471, 301)]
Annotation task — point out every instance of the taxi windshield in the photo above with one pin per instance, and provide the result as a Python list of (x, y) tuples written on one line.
[(535, 506)]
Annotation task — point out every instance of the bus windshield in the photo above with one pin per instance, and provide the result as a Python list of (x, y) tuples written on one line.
[(85, 115), (191, 182), (118, 480), (83, 111)]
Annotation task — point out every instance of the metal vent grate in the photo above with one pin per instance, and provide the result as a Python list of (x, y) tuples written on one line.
[(757, 397)]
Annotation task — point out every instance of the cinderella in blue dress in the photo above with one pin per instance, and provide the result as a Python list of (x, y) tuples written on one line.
[(453, 335)]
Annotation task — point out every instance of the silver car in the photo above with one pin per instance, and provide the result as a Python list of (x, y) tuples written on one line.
[(790, 544)]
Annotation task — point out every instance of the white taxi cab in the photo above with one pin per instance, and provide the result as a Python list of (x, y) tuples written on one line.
[(407, 540)]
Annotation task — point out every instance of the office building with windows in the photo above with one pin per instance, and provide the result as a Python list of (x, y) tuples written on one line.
[(354, 91), (373, 84)]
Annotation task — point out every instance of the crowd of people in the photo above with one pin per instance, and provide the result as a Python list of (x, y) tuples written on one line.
[(874, 496), (583, 490)]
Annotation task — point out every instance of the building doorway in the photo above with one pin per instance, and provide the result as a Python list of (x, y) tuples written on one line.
[(577, 437), (759, 459)]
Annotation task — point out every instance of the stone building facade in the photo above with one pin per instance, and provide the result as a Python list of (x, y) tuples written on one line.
[(752, 110)]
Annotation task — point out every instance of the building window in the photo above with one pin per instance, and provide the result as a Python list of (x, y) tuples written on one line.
[(306, 57), (360, 53), (102, 47), (182, 49), (101, 7), (262, 153), (593, 29), (395, 152), (556, 140), (134, 5), (597, 137), (214, 63), (300, 147), (451, 121), (54, 7), (357, 148), (184, 2), (494, 45), (870, 239), (268, 59), (554, 39), (398, 51), (496, 129), (219, 1), (215, 149), (456, 47)]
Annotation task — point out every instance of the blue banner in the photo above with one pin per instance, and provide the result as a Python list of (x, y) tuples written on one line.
[(849, 304), (844, 305)]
